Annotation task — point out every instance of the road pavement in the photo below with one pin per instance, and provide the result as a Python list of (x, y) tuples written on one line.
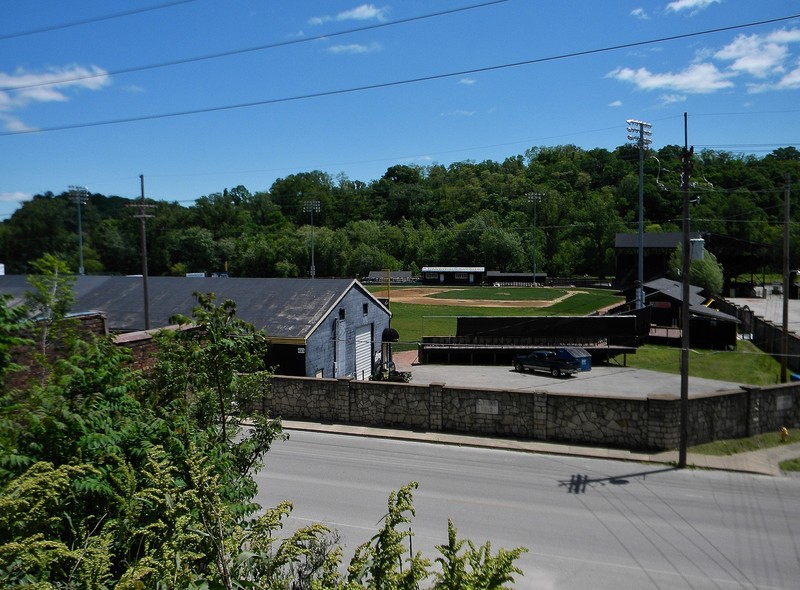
[(601, 380), (586, 523)]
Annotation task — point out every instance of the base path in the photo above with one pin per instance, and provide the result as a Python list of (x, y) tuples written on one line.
[(424, 296)]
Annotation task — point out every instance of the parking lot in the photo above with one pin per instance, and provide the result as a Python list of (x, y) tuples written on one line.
[(605, 380)]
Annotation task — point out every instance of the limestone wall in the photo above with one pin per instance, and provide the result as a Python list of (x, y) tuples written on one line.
[(650, 423)]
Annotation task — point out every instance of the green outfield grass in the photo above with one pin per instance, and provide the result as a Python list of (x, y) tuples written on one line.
[(413, 321), (747, 364)]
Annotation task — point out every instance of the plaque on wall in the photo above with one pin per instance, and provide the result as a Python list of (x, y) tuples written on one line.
[(487, 406)]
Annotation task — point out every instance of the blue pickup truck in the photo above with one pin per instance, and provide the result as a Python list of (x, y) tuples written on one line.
[(546, 360)]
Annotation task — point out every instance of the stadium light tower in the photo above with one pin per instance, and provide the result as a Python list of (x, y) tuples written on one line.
[(534, 198), (312, 207), (639, 132), (79, 196)]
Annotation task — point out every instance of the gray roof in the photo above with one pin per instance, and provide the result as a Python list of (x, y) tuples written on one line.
[(668, 240), (284, 308), (674, 289), (697, 306), (392, 274), (453, 268)]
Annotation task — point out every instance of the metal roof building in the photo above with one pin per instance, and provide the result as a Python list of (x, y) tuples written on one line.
[(319, 327)]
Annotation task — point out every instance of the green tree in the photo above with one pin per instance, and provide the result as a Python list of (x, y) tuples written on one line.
[(14, 324), (706, 272), (51, 298)]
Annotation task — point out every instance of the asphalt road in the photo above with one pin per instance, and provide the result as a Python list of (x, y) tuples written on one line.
[(586, 523)]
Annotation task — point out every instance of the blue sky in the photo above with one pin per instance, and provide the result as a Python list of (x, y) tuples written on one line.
[(90, 93)]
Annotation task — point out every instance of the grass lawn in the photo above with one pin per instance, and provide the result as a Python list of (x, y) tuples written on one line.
[(790, 465), (747, 364), (743, 445)]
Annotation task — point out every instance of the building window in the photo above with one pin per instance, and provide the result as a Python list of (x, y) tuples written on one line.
[(365, 309), (341, 315), (461, 276), (431, 275)]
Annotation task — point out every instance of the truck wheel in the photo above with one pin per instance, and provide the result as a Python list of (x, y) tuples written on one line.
[(519, 368), (555, 372)]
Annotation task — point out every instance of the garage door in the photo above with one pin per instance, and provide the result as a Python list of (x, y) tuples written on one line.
[(363, 352)]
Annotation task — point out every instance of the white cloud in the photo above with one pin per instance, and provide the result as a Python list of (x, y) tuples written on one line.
[(754, 55), (14, 197), (458, 113), (784, 36), (790, 80), (14, 125), (354, 48), (363, 12), (672, 98), (467, 81), (22, 88), (615, 103), (693, 6), (702, 78), (640, 14)]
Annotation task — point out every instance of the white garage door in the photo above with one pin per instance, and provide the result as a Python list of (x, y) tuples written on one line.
[(363, 352)]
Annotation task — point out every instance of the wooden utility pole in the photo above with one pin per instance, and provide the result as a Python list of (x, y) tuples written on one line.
[(142, 206), (785, 335), (685, 312)]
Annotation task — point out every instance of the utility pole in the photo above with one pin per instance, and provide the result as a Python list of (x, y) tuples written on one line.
[(785, 336), (685, 313), (79, 196), (143, 215), (639, 131)]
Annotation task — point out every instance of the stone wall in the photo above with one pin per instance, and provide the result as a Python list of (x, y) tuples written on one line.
[(650, 423), (488, 411), (605, 421)]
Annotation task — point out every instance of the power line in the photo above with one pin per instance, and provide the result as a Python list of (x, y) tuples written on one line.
[(276, 45), (97, 19), (382, 85)]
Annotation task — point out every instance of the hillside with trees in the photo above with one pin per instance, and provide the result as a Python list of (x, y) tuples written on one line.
[(468, 213)]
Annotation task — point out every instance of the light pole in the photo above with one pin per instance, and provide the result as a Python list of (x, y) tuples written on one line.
[(639, 131), (311, 207), (534, 198), (79, 196)]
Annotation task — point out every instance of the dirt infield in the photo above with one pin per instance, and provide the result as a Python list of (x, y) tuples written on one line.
[(423, 296)]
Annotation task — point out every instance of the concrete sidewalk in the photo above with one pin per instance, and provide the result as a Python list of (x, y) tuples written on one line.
[(763, 462)]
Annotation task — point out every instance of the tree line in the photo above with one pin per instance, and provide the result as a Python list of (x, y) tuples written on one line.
[(563, 204)]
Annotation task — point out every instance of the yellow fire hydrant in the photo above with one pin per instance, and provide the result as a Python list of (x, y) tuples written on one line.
[(784, 434)]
